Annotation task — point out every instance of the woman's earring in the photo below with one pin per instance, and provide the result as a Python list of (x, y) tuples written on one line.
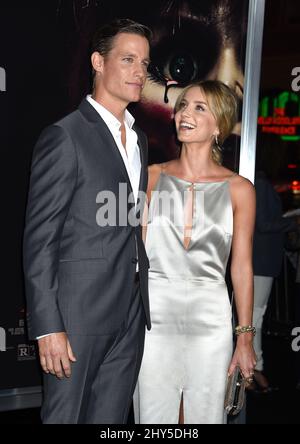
[(217, 141)]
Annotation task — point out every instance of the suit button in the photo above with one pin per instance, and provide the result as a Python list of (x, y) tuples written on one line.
[(134, 260)]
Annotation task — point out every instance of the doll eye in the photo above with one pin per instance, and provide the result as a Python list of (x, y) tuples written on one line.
[(185, 56), (183, 68)]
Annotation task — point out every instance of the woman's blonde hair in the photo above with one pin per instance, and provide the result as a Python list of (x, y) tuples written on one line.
[(223, 103)]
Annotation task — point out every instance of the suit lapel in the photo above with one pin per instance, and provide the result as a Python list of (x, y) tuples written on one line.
[(95, 120), (100, 126), (143, 159)]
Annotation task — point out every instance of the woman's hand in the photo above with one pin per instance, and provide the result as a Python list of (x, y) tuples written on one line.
[(244, 356)]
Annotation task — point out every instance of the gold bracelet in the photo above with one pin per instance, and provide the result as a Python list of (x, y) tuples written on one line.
[(239, 329)]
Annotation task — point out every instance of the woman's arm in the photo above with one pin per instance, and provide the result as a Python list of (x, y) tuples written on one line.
[(243, 198)]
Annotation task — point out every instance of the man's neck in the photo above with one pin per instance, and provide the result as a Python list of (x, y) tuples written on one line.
[(117, 109)]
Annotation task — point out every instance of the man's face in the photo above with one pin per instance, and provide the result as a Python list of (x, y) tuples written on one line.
[(123, 71)]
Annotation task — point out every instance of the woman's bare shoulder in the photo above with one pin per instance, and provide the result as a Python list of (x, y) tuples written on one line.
[(242, 183), (154, 171), (155, 168), (242, 191)]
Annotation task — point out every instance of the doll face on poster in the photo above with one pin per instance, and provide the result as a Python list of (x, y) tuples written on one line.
[(192, 41)]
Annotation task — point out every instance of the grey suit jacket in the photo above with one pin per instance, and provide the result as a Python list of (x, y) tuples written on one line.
[(79, 276)]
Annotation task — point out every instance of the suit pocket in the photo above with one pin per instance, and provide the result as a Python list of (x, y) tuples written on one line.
[(85, 268)]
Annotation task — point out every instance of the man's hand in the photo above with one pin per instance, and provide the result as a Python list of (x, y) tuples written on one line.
[(56, 354)]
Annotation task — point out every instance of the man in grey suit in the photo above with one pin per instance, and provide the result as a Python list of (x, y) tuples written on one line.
[(86, 280)]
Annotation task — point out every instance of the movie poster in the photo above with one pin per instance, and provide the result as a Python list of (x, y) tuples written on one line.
[(193, 40)]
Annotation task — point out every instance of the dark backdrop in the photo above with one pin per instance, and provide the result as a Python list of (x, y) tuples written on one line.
[(35, 96)]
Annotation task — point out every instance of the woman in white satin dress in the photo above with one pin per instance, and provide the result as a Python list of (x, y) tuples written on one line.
[(198, 210)]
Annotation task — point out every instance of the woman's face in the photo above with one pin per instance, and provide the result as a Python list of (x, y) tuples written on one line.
[(194, 120)]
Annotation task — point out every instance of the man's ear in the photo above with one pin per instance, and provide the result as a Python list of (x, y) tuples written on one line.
[(97, 62)]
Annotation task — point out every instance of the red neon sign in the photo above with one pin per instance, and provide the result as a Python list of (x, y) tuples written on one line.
[(276, 119)]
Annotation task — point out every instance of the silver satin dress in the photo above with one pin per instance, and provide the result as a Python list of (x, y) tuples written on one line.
[(189, 348)]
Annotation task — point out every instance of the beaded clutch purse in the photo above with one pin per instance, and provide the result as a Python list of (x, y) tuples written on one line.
[(235, 392)]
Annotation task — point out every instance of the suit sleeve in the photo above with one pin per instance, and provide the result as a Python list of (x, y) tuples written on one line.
[(52, 183)]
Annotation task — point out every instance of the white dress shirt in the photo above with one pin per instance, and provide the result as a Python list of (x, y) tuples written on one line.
[(131, 156)]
